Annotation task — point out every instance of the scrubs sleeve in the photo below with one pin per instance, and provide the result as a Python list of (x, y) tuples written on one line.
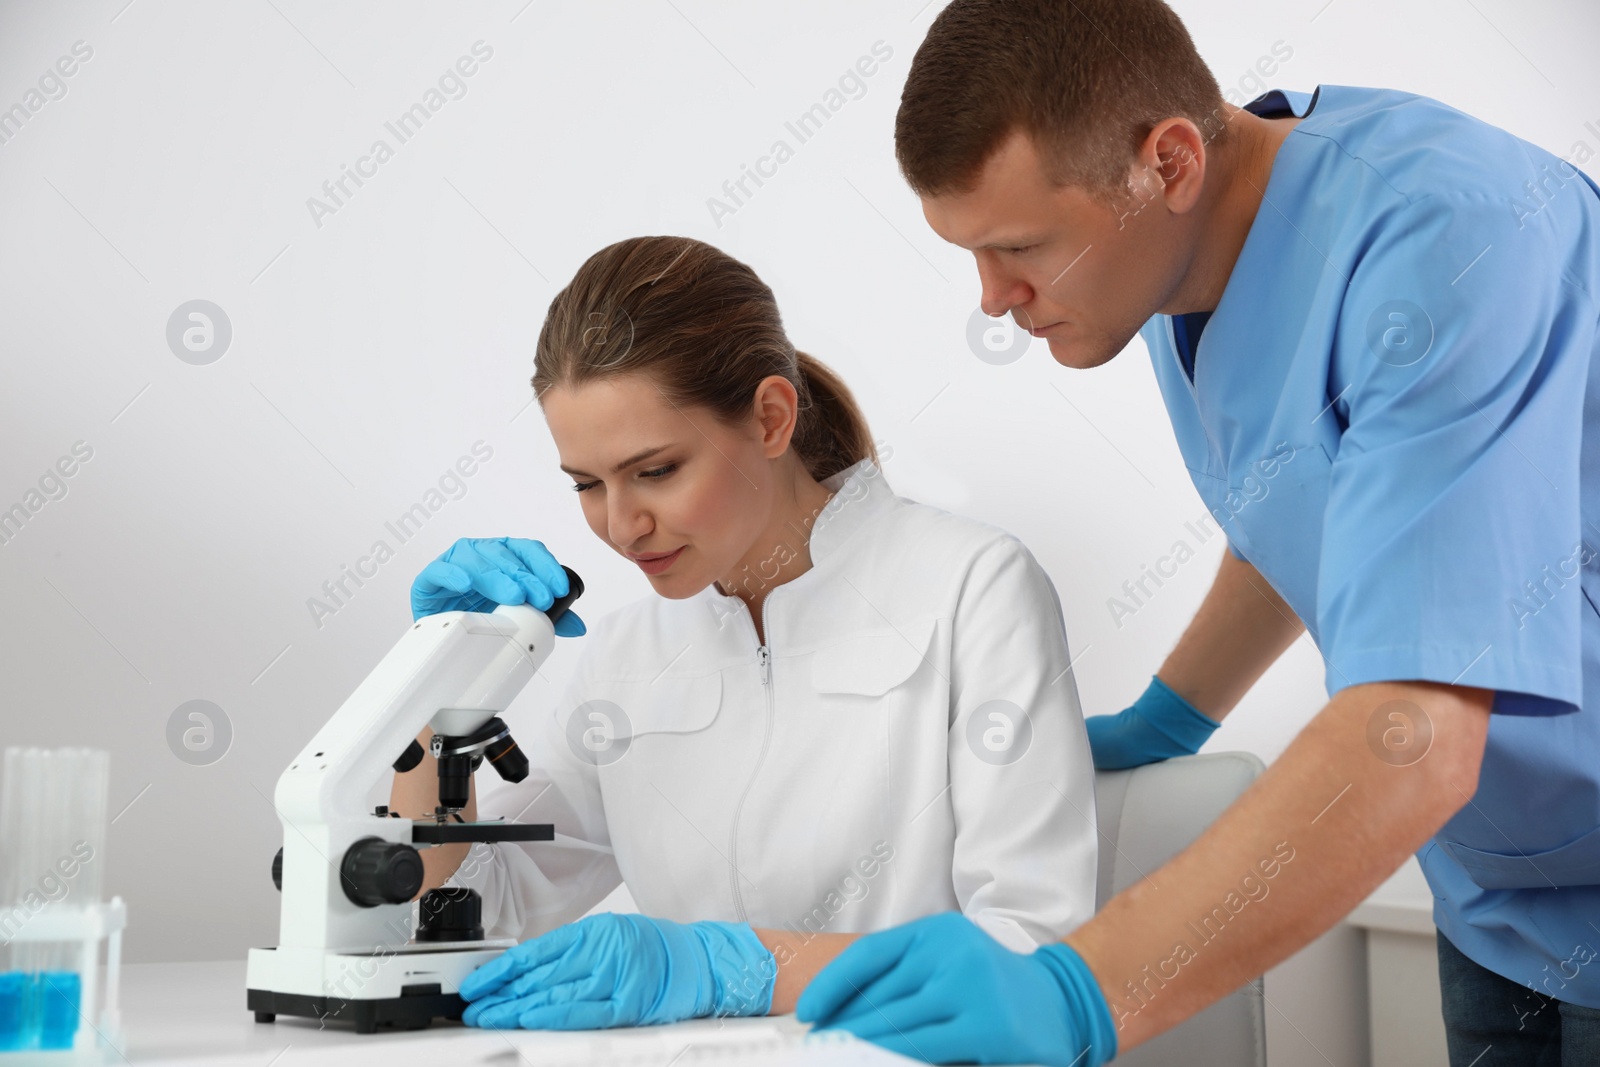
[(1021, 776), (531, 887), (1462, 352)]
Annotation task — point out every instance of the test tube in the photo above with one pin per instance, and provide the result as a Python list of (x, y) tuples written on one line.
[(52, 840)]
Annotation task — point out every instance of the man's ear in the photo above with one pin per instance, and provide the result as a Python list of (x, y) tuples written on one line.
[(1172, 164), (777, 412)]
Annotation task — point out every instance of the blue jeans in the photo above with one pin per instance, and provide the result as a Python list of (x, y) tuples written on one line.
[(1490, 1021)]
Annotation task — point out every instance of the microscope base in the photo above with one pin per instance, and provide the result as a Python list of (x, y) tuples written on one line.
[(402, 989), (415, 1009)]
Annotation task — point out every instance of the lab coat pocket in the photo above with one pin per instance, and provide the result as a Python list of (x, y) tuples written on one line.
[(663, 768), (871, 665), (1575, 863), (668, 704), (606, 728), (875, 694), (874, 734)]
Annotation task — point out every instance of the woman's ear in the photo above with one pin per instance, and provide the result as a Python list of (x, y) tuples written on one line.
[(777, 412)]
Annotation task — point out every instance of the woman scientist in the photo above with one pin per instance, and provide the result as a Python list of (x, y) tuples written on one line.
[(842, 710)]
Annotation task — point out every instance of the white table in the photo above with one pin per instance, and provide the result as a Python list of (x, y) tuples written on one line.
[(194, 1013)]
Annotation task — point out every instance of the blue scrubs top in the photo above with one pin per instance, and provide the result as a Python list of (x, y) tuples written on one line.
[(1390, 411)]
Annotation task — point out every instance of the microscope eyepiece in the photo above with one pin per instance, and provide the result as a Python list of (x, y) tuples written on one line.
[(574, 591)]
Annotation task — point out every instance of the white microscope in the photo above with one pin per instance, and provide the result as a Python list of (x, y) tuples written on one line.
[(346, 948)]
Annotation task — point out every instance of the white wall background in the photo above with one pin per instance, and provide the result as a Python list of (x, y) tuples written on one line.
[(371, 351)]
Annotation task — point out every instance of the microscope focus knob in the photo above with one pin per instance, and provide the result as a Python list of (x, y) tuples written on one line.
[(451, 914), (376, 872)]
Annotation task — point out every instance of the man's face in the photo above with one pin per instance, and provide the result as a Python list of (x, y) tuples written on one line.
[(1078, 271)]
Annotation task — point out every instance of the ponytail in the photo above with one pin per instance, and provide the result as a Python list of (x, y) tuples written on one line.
[(832, 433)]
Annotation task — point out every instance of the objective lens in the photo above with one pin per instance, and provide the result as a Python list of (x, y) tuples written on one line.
[(509, 760), (455, 776)]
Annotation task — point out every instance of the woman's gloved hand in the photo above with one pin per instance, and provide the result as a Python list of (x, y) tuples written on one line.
[(622, 970), (1160, 725), (940, 989), (481, 573)]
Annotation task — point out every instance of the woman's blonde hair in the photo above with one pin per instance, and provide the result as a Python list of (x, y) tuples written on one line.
[(706, 330)]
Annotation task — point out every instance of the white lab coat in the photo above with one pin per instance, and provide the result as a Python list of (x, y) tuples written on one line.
[(832, 781)]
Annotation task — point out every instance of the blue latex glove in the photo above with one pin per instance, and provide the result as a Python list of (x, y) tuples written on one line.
[(622, 970), (481, 573), (1160, 725), (940, 989)]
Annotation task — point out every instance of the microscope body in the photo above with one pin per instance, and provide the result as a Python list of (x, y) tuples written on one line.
[(346, 948)]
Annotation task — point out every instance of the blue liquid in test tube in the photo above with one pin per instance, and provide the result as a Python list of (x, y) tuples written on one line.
[(15, 987), (39, 1010), (60, 993)]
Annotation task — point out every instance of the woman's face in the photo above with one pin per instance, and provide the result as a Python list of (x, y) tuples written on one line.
[(674, 489)]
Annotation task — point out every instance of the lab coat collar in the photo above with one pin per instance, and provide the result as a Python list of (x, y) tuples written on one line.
[(860, 491), (1275, 102)]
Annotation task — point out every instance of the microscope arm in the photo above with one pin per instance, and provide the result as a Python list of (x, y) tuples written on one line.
[(453, 671)]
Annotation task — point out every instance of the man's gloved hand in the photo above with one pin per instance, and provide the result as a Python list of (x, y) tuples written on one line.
[(481, 573), (940, 989), (1160, 725), (622, 970)]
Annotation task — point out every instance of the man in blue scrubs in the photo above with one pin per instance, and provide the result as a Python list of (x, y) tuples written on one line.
[(1373, 320)]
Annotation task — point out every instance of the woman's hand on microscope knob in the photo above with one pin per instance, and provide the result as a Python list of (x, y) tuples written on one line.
[(481, 573)]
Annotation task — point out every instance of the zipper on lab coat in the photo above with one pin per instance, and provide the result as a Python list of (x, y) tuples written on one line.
[(764, 667)]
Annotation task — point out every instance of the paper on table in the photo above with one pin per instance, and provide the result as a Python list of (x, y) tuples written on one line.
[(766, 1042)]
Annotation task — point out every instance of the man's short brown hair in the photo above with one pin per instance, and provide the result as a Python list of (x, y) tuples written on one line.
[(1087, 80)]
